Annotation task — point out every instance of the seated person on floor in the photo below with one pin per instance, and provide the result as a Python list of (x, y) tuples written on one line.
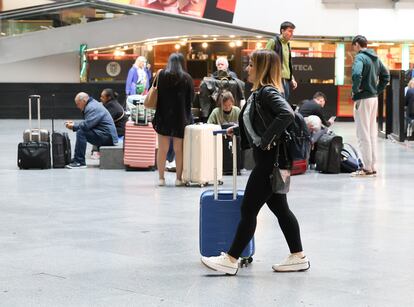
[(316, 130), (97, 128), (314, 107), (227, 112)]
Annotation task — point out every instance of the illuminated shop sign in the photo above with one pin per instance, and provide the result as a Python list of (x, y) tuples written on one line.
[(306, 68)]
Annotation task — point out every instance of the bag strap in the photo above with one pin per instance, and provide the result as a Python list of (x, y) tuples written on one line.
[(119, 118), (352, 149), (155, 81)]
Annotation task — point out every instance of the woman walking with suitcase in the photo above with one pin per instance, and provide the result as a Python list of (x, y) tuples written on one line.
[(262, 125)]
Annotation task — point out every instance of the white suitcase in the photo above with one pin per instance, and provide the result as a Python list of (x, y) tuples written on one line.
[(198, 156)]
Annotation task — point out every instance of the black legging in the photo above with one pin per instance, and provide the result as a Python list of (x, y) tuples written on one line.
[(258, 192)]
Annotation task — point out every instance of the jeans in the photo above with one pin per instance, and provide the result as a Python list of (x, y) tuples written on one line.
[(286, 88), (84, 137), (170, 153)]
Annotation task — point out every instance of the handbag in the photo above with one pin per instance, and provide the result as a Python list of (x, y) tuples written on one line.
[(280, 178), (150, 101)]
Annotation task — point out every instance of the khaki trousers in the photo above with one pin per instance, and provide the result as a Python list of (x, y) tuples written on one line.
[(365, 115)]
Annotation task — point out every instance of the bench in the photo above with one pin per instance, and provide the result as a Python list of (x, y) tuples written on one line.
[(112, 157)]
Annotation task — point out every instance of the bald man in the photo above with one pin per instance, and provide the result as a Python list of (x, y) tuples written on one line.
[(97, 128)]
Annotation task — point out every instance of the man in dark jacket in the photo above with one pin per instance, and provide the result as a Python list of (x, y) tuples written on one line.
[(280, 44), (97, 128), (369, 78), (314, 107)]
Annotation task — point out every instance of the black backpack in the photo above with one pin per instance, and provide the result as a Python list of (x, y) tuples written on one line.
[(298, 139)]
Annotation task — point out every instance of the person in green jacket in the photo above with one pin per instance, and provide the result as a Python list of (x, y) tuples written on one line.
[(369, 78), (281, 45)]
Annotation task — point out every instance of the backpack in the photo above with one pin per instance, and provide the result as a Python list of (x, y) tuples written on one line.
[(350, 160), (298, 139), (211, 89)]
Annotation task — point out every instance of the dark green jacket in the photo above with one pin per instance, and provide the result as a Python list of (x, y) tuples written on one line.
[(369, 75)]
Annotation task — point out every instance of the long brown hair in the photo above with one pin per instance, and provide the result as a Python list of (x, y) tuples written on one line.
[(268, 69)]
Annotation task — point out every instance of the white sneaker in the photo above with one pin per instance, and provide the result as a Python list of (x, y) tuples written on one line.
[(170, 166), (292, 263), (221, 263), (161, 182), (178, 183), (96, 155)]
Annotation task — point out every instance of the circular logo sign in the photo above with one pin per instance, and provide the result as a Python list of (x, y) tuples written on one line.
[(113, 69)]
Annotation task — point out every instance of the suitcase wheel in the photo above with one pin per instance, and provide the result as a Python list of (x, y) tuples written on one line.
[(245, 261)]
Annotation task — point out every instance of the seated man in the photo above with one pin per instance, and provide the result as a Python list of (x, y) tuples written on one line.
[(223, 67), (314, 107), (97, 128), (227, 113)]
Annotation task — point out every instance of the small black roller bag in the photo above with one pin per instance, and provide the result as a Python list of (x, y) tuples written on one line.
[(61, 149), (33, 154), (228, 153), (328, 154)]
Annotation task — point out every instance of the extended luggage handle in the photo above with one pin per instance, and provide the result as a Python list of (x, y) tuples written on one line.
[(234, 152), (30, 115), (145, 123)]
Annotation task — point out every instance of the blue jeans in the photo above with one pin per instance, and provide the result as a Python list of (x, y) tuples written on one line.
[(286, 88), (171, 153), (82, 138)]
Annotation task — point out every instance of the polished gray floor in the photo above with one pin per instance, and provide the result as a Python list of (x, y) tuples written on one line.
[(113, 238)]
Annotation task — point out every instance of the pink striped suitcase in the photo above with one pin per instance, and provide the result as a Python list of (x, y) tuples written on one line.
[(139, 146)]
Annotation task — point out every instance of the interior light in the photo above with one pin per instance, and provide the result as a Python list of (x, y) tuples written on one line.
[(340, 64), (119, 53), (239, 43), (215, 38), (259, 45), (232, 44), (126, 47), (150, 47), (232, 36), (182, 43), (177, 46), (205, 36), (204, 45), (96, 52), (405, 57)]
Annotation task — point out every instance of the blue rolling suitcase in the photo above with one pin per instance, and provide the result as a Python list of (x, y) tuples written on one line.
[(220, 215)]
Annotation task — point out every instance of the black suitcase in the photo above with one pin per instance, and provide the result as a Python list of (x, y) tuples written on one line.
[(61, 149), (228, 152), (33, 154), (228, 156), (328, 154)]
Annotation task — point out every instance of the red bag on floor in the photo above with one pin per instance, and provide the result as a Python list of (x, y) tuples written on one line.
[(299, 167)]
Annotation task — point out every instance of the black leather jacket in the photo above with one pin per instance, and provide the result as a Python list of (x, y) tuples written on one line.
[(270, 118), (270, 115)]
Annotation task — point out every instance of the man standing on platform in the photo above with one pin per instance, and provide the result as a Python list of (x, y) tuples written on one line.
[(280, 44), (369, 78)]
